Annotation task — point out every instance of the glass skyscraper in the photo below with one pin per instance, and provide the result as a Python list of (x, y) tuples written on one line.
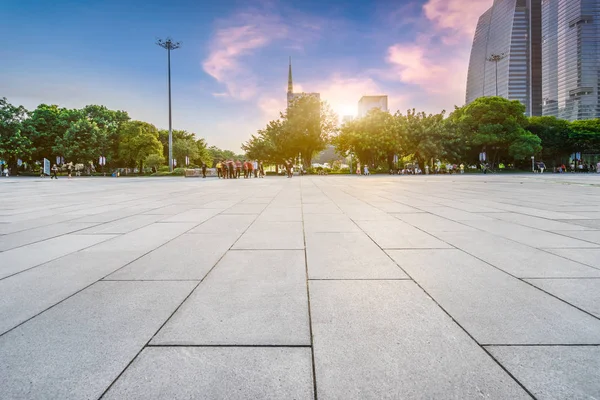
[(571, 58), (505, 60)]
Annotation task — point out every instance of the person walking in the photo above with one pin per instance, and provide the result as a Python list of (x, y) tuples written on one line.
[(367, 170), (219, 169), (69, 170), (203, 170), (54, 171), (255, 168), (462, 168), (261, 170)]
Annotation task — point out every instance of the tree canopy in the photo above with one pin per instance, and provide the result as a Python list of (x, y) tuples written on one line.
[(83, 135)]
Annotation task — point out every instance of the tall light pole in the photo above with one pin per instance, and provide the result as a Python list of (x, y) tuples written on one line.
[(496, 58), (169, 44)]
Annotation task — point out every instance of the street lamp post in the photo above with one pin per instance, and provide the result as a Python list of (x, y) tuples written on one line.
[(169, 45), (496, 58)]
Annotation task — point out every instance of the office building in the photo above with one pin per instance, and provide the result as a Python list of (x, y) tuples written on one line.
[(367, 103), (506, 55), (571, 58)]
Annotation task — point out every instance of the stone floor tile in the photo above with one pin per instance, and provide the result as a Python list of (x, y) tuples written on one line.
[(217, 373), (388, 339), (348, 256), (250, 298), (492, 306), (76, 349), (553, 372)]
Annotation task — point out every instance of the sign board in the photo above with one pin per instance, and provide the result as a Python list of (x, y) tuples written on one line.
[(46, 166)]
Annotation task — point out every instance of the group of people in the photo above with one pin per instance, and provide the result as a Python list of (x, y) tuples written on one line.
[(230, 169)]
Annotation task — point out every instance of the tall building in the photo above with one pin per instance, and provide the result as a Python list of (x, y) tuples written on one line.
[(506, 54), (571, 58), (290, 92), (367, 103)]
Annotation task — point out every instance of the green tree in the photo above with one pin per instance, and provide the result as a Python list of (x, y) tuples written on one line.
[(137, 141), (423, 135), (585, 135), (43, 126), (491, 124), (308, 124), (373, 139), (525, 146), (109, 123), (556, 136), (155, 161), (14, 143), (80, 142), (183, 148)]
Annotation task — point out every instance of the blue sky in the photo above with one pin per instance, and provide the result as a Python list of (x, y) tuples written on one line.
[(230, 76)]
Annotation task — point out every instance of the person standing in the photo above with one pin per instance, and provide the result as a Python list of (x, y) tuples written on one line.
[(219, 169), (367, 170), (238, 169), (203, 170), (262, 170), (54, 171), (69, 170), (462, 168), (255, 168)]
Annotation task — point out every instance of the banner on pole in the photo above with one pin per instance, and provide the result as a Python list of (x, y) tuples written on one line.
[(46, 166)]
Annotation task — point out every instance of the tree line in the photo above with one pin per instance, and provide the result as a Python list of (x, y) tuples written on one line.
[(84, 135), (493, 126)]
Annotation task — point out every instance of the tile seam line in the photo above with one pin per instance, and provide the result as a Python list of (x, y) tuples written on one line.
[(545, 250), (283, 346), (447, 313), (541, 345), (75, 252), (312, 344), (498, 212), (176, 308), (93, 283), (68, 233), (498, 268)]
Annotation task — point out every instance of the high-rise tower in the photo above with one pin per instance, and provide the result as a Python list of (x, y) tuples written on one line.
[(506, 54), (571, 58)]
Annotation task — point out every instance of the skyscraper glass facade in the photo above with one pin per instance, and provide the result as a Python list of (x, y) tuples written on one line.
[(571, 58), (508, 28)]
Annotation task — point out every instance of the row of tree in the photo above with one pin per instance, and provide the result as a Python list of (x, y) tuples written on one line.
[(493, 126), (84, 135)]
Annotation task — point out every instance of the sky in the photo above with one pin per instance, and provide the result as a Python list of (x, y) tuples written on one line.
[(229, 78)]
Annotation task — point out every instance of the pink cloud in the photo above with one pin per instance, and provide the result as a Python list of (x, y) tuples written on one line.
[(437, 60), (240, 36), (457, 17)]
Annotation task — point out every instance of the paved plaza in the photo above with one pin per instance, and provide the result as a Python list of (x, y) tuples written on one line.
[(398, 287)]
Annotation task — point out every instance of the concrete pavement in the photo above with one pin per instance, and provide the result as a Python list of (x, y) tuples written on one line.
[(400, 287)]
